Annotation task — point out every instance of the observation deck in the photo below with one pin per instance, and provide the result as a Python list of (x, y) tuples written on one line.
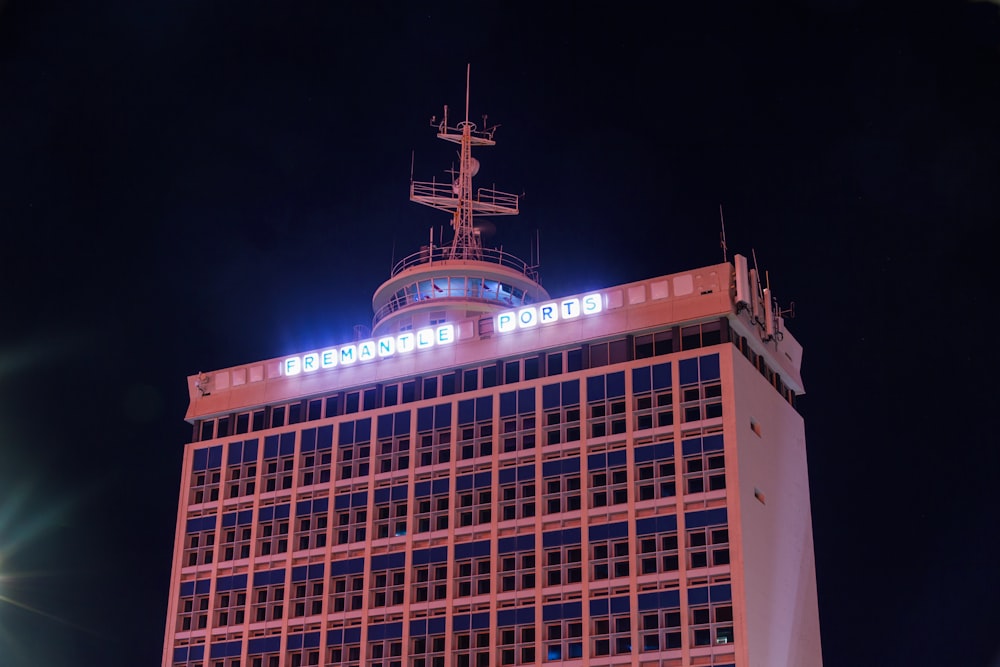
[(432, 280)]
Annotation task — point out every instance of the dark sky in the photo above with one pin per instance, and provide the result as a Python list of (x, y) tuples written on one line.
[(186, 186)]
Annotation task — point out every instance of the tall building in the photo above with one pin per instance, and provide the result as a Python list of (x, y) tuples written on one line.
[(500, 477)]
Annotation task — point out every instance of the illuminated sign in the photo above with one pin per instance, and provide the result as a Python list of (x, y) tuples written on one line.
[(368, 350), (546, 313)]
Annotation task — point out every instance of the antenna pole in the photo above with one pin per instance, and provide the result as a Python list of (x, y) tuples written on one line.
[(725, 254), (468, 77)]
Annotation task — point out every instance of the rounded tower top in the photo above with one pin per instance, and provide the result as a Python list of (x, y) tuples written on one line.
[(460, 279)]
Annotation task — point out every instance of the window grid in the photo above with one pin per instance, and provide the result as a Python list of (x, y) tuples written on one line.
[(516, 645), (430, 582), (562, 494), (517, 501), (518, 433), (472, 649), (658, 553), (387, 587), (562, 565), (712, 623), (472, 577), (205, 486), (278, 473), (230, 608), (563, 640), (352, 525), (390, 519), (612, 635), (708, 547), (314, 468), (242, 480), (193, 614), (272, 530), (199, 547), (516, 572), (307, 598), (393, 454), (268, 603), (609, 558)]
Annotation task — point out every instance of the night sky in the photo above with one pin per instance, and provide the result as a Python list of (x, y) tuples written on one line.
[(186, 186)]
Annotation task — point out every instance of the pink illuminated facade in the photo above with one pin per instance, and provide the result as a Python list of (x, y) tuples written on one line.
[(499, 477)]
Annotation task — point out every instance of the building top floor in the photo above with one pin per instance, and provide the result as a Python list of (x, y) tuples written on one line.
[(688, 297)]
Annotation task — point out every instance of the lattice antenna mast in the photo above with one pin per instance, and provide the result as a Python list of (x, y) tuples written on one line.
[(459, 198)]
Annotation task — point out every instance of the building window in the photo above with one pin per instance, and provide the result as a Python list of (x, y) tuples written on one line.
[(316, 458), (704, 464), (206, 475), (563, 640), (472, 577), (268, 599), (658, 551), (427, 650), (517, 420), (388, 578), (652, 397), (347, 585), (431, 500), (354, 451), (708, 547), (608, 478), (611, 630), (230, 607), (516, 643), (193, 606), (655, 471), (474, 499), (344, 647), (434, 435), (654, 344), (430, 582), (660, 621), (307, 598), (472, 648), (279, 462), (475, 427), (236, 531), (199, 541), (311, 524), (352, 517), (390, 512), (517, 493), (711, 615), (701, 388), (241, 479), (272, 530), (562, 564), (561, 412), (516, 572), (561, 480), (303, 657), (609, 558), (393, 447), (606, 413)]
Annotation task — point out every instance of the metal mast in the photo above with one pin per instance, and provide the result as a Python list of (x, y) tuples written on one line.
[(458, 197)]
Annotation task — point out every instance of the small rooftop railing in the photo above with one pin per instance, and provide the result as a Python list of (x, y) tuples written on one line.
[(490, 255)]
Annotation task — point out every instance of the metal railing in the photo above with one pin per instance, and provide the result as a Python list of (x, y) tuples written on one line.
[(491, 255)]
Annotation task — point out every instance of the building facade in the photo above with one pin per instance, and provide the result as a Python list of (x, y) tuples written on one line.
[(498, 477)]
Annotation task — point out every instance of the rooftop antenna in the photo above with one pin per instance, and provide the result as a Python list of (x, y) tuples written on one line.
[(458, 197), (722, 238)]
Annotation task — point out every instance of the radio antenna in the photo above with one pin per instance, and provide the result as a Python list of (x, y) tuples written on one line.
[(722, 236)]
